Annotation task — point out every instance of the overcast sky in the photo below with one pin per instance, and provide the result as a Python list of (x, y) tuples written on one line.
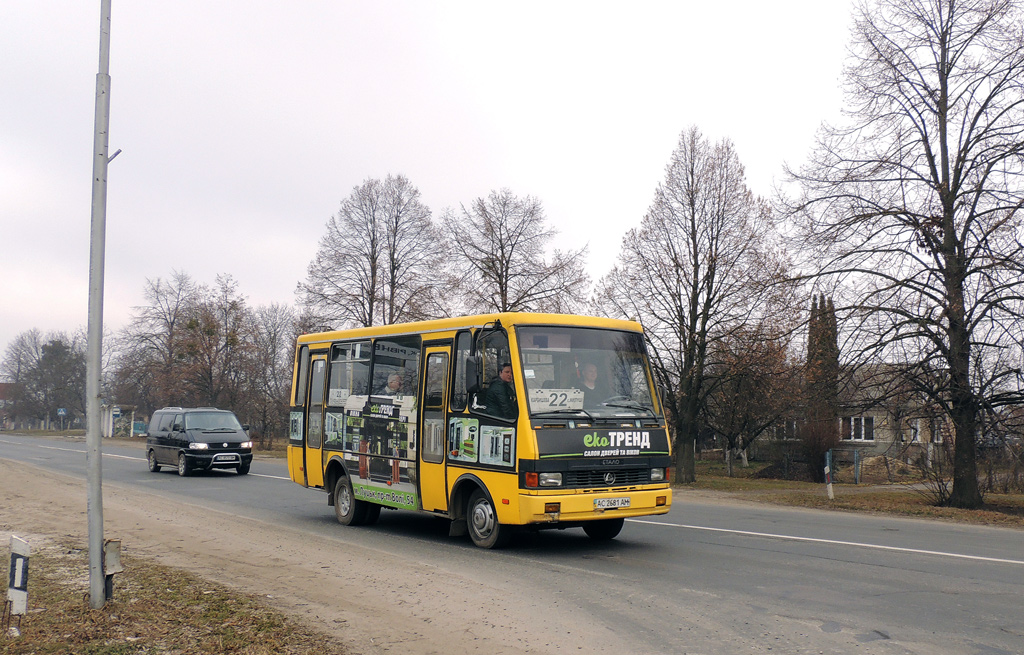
[(243, 125)]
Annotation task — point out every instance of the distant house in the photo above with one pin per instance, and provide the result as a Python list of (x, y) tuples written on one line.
[(882, 414), (879, 413)]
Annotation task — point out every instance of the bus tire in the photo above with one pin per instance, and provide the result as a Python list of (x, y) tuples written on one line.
[(604, 529), (347, 509), (372, 513), (482, 521)]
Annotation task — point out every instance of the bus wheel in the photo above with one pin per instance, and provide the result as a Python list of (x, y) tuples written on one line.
[(347, 509), (604, 529), (151, 460), (484, 529), (372, 513)]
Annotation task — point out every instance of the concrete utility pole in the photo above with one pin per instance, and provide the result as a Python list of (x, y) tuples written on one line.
[(94, 354)]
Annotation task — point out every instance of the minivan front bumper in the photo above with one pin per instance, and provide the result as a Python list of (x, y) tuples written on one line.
[(207, 461)]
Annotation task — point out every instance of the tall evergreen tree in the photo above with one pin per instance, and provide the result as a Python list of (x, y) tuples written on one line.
[(821, 387)]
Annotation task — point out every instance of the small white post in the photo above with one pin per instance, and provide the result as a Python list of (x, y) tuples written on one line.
[(17, 590)]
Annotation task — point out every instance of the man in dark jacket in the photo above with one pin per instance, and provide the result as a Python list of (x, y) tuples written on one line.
[(500, 398)]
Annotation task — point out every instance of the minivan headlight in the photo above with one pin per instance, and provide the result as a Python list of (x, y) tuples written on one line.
[(195, 445), (245, 444)]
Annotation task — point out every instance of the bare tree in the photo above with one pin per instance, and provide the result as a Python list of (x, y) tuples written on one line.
[(48, 374), (149, 349), (214, 346), (501, 246), (22, 354), (699, 268), (914, 205), (379, 262), (753, 384), (268, 370)]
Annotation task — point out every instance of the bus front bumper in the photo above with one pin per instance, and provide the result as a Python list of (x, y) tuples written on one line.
[(592, 506)]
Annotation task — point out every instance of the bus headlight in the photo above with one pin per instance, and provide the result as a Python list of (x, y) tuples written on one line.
[(551, 479), (657, 475)]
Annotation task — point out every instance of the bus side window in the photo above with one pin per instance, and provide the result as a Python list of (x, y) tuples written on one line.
[(493, 350), (350, 372), (396, 366), (463, 344), (300, 381)]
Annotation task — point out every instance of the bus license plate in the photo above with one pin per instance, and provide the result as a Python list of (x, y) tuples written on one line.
[(610, 503)]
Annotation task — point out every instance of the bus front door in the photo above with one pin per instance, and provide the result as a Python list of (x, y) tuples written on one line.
[(313, 439), (433, 485)]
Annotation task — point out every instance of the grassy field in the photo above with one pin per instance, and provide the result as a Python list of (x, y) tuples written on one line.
[(905, 496), (155, 611)]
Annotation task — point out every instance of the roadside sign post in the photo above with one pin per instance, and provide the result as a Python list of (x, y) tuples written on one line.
[(828, 475), (17, 588)]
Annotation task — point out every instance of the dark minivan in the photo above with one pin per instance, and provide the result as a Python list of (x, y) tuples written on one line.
[(197, 439)]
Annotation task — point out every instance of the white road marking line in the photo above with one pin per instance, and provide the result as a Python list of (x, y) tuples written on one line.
[(916, 551), (68, 450), (272, 477), (140, 459)]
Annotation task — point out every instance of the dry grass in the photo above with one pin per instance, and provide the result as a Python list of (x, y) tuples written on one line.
[(904, 498), (155, 610)]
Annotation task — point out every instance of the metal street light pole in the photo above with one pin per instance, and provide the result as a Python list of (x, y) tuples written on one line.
[(94, 353)]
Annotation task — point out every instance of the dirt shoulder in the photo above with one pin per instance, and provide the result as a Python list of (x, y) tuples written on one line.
[(382, 608)]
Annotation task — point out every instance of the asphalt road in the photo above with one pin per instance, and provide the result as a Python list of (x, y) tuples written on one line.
[(712, 576)]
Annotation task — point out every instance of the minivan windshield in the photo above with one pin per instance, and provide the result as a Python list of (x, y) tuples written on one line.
[(588, 372), (211, 421)]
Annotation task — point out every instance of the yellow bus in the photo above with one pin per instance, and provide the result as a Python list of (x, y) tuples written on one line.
[(494, 422)]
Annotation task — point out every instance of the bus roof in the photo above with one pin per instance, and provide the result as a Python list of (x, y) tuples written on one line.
[(508, 319)]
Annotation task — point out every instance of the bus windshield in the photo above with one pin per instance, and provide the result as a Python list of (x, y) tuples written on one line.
[(585, 372)]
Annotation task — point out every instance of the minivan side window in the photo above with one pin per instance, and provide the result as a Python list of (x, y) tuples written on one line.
[(165, 422)]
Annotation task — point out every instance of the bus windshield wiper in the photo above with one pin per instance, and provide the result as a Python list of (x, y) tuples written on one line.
[(630, 404), (559, 412)]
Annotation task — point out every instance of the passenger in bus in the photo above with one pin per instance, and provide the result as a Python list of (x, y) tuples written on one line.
[(394, 385), (500, 398), (594, 392)]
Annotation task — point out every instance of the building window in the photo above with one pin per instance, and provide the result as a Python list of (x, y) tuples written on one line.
[(858, 428)]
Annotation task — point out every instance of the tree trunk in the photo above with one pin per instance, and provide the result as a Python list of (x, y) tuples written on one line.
[(963, 403)]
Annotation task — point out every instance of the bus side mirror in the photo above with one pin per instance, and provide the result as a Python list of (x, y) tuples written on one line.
[(472, 374)]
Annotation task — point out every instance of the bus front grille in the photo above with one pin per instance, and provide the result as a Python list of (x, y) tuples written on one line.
[(607, 477)]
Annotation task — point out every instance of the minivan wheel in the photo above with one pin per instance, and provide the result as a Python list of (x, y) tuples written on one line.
[(151, 459), (347, 509), (243, 469), (183, 469)]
